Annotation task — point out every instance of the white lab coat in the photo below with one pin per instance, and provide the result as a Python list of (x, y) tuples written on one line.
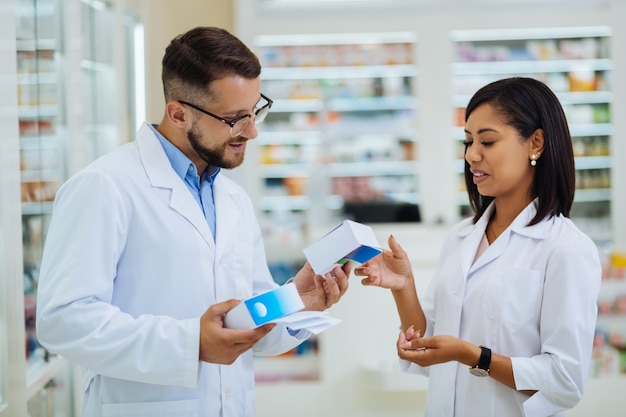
[(530, 296), (129, 267)]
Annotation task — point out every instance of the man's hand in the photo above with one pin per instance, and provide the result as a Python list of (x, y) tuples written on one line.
[(320, 292), (221, 345)]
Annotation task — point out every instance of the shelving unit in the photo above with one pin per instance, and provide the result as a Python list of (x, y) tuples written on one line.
[(609, 357), (64, 57), (575, 62), (42, 170), (12, 347), (342, 129)]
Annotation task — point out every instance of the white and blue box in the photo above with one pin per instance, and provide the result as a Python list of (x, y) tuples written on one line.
[(349, 241), (264, 308)]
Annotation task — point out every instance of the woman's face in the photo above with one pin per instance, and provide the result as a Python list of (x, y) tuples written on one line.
[(498, 158)]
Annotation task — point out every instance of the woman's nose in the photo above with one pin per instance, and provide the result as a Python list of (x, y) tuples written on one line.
[(471, 154)]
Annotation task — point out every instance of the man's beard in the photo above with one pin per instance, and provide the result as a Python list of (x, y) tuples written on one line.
[(212, 157)]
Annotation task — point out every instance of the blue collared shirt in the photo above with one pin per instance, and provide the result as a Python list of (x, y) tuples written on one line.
[(201, 188)]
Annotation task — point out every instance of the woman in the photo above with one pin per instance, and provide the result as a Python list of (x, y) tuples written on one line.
[(514, 295)]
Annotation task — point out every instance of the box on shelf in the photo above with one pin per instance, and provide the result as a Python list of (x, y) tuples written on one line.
[(350, 240)]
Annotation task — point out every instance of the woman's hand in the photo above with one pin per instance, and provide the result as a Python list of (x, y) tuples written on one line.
[(391, 269), (320, 292), (426, 351)]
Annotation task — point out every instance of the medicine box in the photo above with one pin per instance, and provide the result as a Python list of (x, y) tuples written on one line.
[(264, 308), (348, 241)]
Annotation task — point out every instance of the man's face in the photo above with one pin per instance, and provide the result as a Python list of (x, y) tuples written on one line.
[(210, 138)]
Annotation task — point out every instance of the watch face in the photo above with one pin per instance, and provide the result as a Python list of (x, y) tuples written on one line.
[(479, 372)]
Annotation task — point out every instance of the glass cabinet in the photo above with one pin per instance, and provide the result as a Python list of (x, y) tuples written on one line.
[(42, 170), (68, 111)]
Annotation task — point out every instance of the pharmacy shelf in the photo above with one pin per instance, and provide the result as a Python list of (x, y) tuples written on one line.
[(344, 108), (530, 67), (574, 61), (580, 97), (338, 72), (371, 168)]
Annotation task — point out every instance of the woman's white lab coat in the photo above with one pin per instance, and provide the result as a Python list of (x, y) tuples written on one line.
[(129, 267), (530, 296)]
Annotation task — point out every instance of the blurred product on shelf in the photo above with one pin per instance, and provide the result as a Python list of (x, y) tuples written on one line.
[(609, 350), (342, 129), (576, 64)]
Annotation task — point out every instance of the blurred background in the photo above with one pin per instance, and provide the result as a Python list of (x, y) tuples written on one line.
[(369, 100)]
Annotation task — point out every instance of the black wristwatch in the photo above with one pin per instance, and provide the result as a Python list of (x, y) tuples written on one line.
[(482, 369)]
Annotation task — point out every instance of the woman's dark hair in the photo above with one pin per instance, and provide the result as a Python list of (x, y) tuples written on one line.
[(200, 56), (527, 105)]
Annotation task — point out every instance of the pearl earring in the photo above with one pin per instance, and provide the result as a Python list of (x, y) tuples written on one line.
[(533, 159)]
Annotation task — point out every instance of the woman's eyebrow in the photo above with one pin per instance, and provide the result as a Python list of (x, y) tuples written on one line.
[(483, 130)]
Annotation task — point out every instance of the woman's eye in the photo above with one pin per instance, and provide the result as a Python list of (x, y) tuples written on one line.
[(486, 143), (467, 144)]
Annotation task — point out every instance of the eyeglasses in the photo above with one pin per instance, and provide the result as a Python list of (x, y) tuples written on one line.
[(239, 124)]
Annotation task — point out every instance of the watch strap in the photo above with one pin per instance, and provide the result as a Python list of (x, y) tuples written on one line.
[(485, 359)]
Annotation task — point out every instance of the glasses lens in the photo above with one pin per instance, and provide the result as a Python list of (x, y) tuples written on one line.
[(262, 113), (239, 126)]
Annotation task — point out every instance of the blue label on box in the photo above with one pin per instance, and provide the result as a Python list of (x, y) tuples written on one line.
[(272, 305), (362, 254)]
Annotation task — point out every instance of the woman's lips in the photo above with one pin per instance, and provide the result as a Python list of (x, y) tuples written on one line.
[(479, 177)]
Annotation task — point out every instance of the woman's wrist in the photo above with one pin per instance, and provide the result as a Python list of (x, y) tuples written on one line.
[(408, 285), (470, 355)]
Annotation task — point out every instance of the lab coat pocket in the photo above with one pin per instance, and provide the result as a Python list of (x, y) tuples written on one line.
[(182, 408), (513, 296)]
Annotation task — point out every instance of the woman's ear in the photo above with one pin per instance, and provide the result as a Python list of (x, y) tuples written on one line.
[(536, 142)]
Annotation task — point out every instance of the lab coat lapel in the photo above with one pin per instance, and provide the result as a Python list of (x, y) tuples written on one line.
[(227, 215), (473, 234), (161, 175), (494, 250), (519, 226)]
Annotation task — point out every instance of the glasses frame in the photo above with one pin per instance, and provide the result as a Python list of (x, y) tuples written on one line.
[(233, 122)]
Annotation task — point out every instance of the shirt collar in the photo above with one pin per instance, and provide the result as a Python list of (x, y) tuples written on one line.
[(519, 225)]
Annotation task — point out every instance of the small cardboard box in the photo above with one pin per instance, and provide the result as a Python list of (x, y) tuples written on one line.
[(348, 241), (264, 308)]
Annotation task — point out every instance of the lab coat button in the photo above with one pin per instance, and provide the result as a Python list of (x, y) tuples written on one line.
[(227, 395)]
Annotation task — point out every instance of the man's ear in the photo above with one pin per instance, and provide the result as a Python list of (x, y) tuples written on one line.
[(175, 112)]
